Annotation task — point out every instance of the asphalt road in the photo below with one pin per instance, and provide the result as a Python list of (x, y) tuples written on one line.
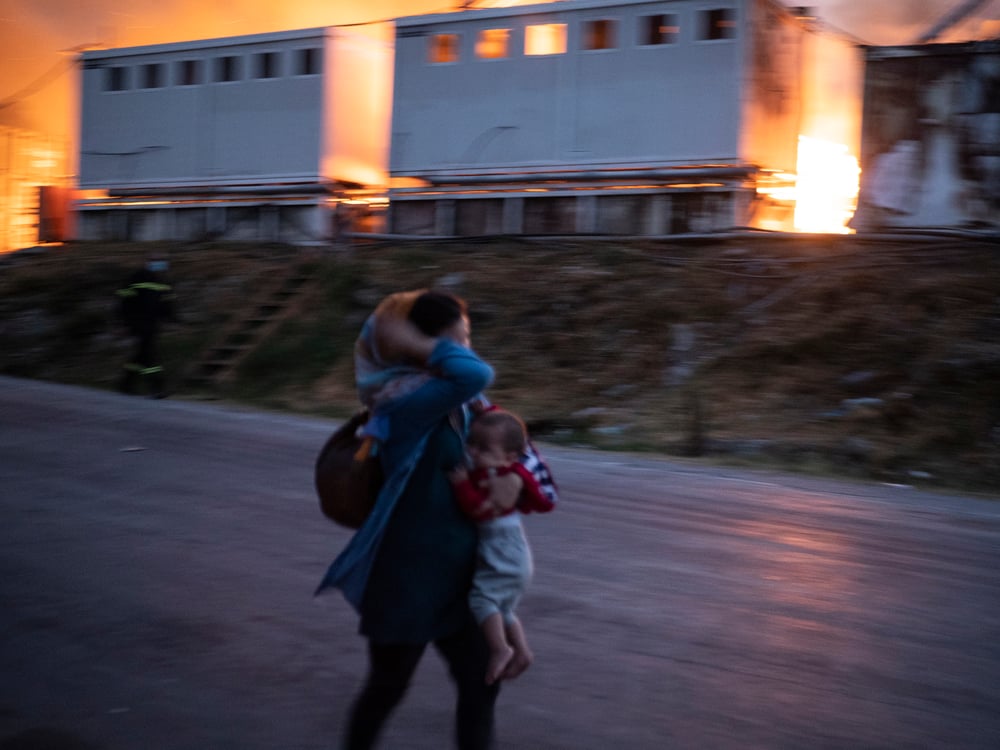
[(158, 558)]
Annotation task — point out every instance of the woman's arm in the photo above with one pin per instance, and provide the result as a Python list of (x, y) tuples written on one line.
[(504, 491), (458, 375), (496, 497), (405, 340)]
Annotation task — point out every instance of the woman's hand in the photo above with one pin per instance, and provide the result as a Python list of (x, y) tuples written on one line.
[(504, 491), (400, 339)]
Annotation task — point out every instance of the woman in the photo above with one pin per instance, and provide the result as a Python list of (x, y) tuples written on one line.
[(408, 570)]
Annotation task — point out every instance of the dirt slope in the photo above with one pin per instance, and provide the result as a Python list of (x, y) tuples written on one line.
[(862, 357)]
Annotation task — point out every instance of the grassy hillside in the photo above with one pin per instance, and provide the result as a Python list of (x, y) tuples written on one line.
[(876, 359)]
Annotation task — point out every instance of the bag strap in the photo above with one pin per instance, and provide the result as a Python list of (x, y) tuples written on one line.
[(367, 448)]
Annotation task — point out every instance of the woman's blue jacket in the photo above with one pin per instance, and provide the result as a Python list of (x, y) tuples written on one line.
[(402, 427)]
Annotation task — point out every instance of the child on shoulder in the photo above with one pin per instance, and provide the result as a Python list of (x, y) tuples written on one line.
[(492, 493)]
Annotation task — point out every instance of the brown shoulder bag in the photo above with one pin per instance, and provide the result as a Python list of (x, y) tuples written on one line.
[(348, 474)]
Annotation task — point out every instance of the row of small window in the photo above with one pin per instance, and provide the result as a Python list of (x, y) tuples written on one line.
[(299, 62), (595, 34)]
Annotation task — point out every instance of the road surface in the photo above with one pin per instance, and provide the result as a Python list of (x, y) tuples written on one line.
[(158, 559)]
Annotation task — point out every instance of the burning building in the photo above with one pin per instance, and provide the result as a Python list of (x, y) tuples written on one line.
[(590, 116), (930, 143), (255, 137), (614, 117), (582, 116), (34, 195)]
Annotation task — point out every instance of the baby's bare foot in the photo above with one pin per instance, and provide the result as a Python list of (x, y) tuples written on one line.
[(518, 663), (500, 660)]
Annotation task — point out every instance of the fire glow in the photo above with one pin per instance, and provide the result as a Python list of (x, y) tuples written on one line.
[(826, 186)]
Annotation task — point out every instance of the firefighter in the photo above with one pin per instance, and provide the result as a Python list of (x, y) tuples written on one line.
[(144, 303)]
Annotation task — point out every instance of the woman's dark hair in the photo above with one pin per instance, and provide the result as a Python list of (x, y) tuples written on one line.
[(434, 311)]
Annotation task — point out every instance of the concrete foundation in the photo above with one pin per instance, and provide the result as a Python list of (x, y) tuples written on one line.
[(629, 214)]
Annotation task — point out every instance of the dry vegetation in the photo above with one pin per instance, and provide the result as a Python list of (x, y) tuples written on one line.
[(876, 359)]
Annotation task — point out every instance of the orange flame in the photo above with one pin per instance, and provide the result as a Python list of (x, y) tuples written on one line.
[(826, 186)]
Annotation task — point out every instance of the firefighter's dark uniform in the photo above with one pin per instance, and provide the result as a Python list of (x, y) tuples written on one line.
[(144, 303)]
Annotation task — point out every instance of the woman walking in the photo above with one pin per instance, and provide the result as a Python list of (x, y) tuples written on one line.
[(408, 569)]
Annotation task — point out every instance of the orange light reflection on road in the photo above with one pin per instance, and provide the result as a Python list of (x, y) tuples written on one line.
[(802, 570)]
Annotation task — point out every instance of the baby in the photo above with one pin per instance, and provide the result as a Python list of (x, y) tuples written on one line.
[(497, 487)]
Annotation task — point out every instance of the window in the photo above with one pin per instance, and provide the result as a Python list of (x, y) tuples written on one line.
[(661, 28), (307, 62), (116, 78), (189, 72), (266, 64), (443, 48), (227, 68), (152, 76), (719, 23), (493, 44), (600, 34), (545, 39)]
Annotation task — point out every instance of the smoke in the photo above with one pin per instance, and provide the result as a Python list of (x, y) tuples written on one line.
[(903, 21), (40, 40), (33, 71)]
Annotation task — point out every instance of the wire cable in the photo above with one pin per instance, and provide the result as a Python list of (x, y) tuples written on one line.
[(49, 76)]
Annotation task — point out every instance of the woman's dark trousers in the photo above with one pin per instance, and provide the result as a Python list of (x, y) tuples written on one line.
[(391, 666)]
